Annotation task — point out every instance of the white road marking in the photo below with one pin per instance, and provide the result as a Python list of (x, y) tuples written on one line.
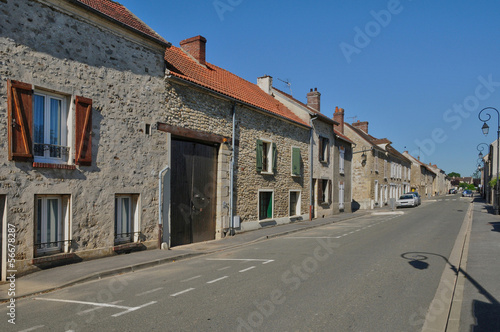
[(223, 268), (182, 292), (265, 261), (218, 279), (94, 309), (311, 237), (106, 305), (33, 328), (149, 291), (247, 269), (186, 280)]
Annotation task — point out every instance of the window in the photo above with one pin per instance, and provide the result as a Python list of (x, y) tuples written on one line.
[(265, 205), (40, 126), (126, 218), (341, 159), (324, 149), (324, 191), (50, 128), (341, 195), (375, 161), (294, 203), (385, 169), (266, 157), (51, 215), (295, 161)]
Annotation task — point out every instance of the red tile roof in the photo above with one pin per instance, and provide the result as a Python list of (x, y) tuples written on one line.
[(117, 12), (342, 136), (222, 81)]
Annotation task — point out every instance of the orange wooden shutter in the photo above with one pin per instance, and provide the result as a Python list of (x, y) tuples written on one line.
[(83, 131), (20, 120)]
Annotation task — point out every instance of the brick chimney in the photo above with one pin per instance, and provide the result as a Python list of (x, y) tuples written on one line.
[(338, 116), (265, 83), (195, 46), (361, 125), (313, 99)]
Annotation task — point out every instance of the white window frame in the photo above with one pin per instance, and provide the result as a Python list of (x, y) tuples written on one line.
[(258, 203), (66, 120), (376, 191), (341, 159), (133, 222), (268, 156), (297, 205), (385, 168), (375, 161), (63, 233), (341, 195)]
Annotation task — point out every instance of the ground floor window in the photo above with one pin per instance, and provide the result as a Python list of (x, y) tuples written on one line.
[(294, 203), (126, 218), (52, 220), (324, 191), (265, 205), (341, 195)]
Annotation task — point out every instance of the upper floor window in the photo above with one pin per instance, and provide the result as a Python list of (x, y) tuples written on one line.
[(266, 157), (324, 149), (341, 159), (296, 161), (41, 124), (375, 161)]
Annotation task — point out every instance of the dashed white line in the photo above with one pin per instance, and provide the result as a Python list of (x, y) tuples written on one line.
[(247, 269), (182, 292), (192, 278), (223, 268), (218, 279), (33, 328), (149, 291), (133, 309), (265, 261)]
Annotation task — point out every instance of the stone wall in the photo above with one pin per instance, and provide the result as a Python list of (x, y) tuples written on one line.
[(69, 54)]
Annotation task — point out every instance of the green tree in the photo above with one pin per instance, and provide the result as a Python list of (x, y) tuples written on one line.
[(454, 175)]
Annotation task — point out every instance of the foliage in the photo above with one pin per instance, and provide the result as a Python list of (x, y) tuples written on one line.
[(466, 186), (454, 175), (493, 183)]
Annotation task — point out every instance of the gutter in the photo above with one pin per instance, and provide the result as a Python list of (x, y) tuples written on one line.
[(160, 206), (311, 158), (231, 174)]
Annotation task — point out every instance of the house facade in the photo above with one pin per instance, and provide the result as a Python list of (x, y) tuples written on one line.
[(329, 155), (260, 148), (82, 87), (422, 176)]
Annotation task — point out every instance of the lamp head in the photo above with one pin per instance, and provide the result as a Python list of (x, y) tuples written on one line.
[(485, 129)]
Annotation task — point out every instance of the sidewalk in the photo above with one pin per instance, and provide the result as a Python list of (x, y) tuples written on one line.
[(63, 276), (480, 303)]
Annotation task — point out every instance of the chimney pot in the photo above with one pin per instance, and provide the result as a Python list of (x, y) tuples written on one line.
[(338, 116), (314, 100), (361, 125), (196, 47)]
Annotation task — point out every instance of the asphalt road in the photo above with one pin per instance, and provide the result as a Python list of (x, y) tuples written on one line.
[(356, 275)]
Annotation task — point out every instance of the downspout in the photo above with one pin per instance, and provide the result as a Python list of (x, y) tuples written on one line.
[(160, 206), (231, 173), (311, 187)]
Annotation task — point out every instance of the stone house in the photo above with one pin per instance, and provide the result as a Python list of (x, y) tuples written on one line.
[(380, 172), (330, 153), (422, 176), (81, 90), (440, 185), (260, 149)]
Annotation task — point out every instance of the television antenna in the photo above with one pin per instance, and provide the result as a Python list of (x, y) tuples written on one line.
[(287, 82), (353, 118)]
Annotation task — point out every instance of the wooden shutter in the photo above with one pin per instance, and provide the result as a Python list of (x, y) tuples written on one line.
[(20, 120), (259, 149), (320, 148), (296, 161), (83, 131), (327, 142), (275, 158), (330, 191), (320, 190)]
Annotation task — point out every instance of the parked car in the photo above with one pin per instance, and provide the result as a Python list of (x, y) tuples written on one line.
[(453, 191), (417, 197), (467, 193), (407, 200)]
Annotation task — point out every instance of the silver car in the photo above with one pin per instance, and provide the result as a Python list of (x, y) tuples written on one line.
[(407, 200)]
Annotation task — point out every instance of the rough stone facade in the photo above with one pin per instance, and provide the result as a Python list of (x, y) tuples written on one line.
[(60, 48), (342, 178)]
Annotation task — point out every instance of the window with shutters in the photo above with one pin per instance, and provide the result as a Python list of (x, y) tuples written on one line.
[(41, 126), (294, 203), (265, 204), (296, 161), (324, 149), (52, 224), (341, 159), (266, 157)]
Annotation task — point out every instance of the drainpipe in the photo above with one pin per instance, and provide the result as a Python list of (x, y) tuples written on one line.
[(160, 206), (311, 158), (231, 173)]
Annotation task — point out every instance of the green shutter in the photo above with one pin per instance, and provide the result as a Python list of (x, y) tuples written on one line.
[(296, 161), (260, 148), (270, 207), (275, 158)]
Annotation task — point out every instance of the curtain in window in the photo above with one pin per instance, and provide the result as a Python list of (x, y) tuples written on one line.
[(39, 124), (55, 127)]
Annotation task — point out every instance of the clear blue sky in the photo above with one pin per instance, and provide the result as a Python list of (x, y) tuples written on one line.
[(419, 71)]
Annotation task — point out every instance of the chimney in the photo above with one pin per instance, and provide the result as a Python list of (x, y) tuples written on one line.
[(313, 99), (361, 125), (338, 116), (265, 83), (195, 47)]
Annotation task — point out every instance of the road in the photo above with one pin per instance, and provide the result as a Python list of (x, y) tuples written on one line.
[(355, 275)]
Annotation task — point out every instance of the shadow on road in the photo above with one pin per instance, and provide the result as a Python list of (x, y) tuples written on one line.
[(487, 315)]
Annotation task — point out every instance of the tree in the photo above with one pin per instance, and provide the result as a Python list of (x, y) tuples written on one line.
[(454, 175)]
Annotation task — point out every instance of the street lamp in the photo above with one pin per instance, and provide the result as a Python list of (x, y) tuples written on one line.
[(485, 128)]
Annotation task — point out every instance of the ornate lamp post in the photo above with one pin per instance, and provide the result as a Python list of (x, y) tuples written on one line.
[(485, 128)]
